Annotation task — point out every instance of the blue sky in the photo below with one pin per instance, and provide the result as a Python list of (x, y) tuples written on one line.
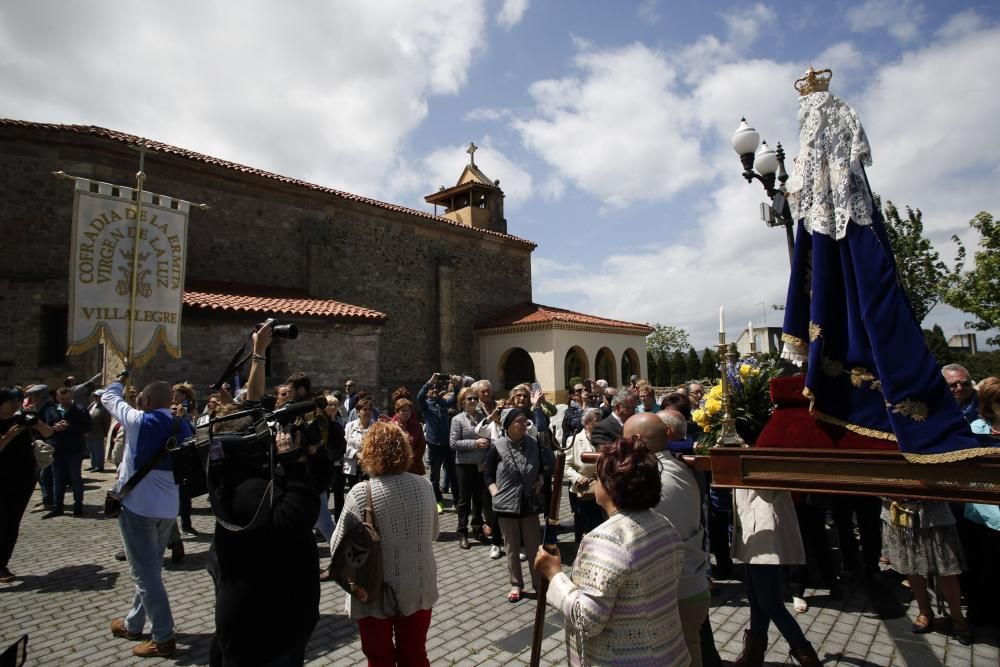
[(607, 123)]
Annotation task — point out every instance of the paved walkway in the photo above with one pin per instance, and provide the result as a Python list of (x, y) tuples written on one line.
[(70, 587)]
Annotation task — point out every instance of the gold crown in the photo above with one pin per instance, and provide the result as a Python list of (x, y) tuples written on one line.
[(814, 81)]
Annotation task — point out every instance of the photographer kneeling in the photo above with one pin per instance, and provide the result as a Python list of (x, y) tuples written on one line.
[(267, 594)]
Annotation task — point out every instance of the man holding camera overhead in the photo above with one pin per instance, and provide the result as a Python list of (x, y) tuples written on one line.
[(148, 510), (267, 592)]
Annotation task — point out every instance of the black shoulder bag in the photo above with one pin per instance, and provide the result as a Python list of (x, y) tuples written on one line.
[(113, 499)]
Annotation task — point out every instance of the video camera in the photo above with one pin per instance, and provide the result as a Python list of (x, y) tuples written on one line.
[(229, 449)]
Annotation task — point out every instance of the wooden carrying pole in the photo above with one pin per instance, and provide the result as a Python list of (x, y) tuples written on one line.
[(549, 544)]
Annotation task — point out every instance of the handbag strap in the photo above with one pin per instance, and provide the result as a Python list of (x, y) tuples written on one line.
[(134, 480)]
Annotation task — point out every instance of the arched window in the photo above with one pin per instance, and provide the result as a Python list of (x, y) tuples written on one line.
[(575, 366), (516, 367), (630, 365), (604, 365)]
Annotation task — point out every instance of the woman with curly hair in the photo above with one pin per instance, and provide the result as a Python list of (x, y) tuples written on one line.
[(620, 604), (394, 627)]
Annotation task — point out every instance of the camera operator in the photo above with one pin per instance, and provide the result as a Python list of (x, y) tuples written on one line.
[(17, 475), (267, 592)]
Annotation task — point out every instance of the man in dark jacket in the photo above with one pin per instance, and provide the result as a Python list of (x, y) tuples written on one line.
[(69, 442), (435, 409), (622, 407)]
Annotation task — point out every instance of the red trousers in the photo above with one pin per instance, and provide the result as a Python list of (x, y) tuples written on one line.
[(410, 647)]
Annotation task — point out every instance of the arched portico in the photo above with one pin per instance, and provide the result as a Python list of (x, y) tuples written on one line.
[(515, 366), (576, 365)]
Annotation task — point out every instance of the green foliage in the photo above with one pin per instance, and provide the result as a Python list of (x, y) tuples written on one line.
[(978, 291), (980, 365), (662, 370), (922, 274), (709, 364), (667, 339), (938, 345), (651, 367), (678, 368), (693, 369)]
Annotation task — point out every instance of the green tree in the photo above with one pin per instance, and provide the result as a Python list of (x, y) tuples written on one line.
[(651, 366), (709, 364), (693, 365), (678, 368), (978, 291), (938, 345), (921, 272), (662, 370), (667, 339)]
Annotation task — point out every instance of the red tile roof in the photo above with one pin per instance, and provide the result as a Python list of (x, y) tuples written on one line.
[(131, 139), (241, 298), (533, 313)]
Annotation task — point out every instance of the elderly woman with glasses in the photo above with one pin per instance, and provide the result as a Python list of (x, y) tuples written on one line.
[(470, 459)]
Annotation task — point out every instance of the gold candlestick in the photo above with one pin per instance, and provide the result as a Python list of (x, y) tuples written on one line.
[(728, 437)]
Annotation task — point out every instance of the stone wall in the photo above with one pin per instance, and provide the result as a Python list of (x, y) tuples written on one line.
[(264, 232)]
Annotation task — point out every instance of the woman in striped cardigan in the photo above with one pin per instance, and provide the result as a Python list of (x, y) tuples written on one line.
[(620, 604)]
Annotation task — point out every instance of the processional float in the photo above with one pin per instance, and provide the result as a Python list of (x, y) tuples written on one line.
[(871, 414)]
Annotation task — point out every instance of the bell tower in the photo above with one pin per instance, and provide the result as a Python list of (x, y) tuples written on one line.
[(475, 200)]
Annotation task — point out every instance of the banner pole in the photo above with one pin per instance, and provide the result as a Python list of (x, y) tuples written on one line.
[(140, 177)]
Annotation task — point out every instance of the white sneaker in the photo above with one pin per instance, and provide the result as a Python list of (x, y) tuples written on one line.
[(495, 552)]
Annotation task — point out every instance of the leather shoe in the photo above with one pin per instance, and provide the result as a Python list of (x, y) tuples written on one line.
[(118, 629), (177, 552), (153, 649), (463, 541)]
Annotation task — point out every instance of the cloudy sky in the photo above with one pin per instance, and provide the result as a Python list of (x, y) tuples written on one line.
[(607, 123)]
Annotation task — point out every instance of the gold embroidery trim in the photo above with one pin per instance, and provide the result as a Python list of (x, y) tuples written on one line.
[(915, 410), (860, 430), (815, 331), (794, 341), (951, 457)]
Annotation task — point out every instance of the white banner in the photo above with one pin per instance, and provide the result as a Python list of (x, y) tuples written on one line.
[(104, 240)]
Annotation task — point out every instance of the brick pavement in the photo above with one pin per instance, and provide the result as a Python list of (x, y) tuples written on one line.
[(70, 587)]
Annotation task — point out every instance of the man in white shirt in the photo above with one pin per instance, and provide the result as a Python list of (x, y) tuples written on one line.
[(148, 510)]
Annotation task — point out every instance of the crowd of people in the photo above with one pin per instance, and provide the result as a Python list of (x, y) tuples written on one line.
[(647, 525)]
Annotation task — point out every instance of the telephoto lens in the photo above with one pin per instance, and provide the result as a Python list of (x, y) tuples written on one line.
[(289, 331)]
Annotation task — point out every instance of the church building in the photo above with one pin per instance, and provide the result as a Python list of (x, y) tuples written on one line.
[(381, 293)]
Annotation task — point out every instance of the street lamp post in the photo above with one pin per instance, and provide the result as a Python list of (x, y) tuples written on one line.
[(767, 165)]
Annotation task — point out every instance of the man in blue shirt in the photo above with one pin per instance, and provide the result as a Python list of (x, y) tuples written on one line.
[(960, 383), (148, 510), (69, 442)]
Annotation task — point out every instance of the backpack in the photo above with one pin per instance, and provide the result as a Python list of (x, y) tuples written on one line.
[(357, 560)]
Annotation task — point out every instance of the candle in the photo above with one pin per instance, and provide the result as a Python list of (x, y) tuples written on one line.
[(722, 320), (750, 332)]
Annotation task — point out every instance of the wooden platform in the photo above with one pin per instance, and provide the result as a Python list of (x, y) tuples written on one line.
[(855, 472)]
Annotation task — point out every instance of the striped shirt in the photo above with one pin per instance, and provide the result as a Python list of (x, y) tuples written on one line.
[(621, 603)]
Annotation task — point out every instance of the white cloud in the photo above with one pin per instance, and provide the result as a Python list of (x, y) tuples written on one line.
[(649, 11), (960, 24), (900, 18), (327, 93), (744, 24), (621, 111), (511, 13), (487, 114)]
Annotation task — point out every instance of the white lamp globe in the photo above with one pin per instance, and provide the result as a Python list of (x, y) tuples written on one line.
[(766, 161), (745, 138)]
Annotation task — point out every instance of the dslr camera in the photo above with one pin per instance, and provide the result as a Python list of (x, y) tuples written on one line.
[(279, 330)]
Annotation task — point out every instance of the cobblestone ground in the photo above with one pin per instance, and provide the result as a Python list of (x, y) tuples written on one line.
[(70, 587)]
